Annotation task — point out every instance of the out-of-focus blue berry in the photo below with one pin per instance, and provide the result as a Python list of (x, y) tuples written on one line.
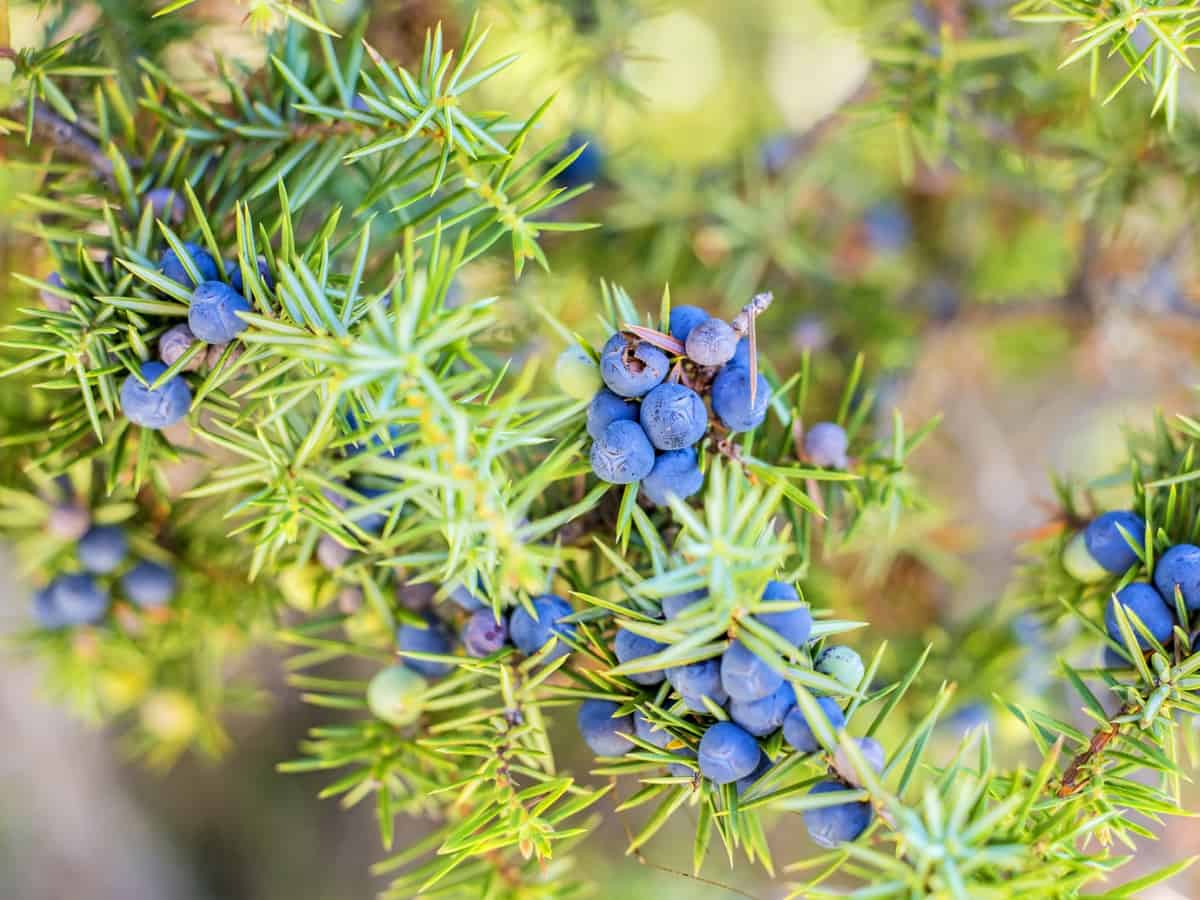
[(1179, 567), (731, 399), (830, 826), (51, 300), (391, 448), (799, 734), (632, 368), (233, 271), (887, 228), (623, 454), (213, 312), (149, 584), (646, 731), (673, 416), (45, 611), (794, 625), (825, 445), (587, 167), (675, 472), (764, 766), (604, 734), (683, 319), (606, 408), (332, 554), (872, 752), (155, 408), (712, 342), (727, 753), (530, 634), (630, 646), (483, 635), (174, 342), (464, 598), (1114, 660), (424, 640), (1147, 604), (1108, 545), (371, 522), (78, 599), (697, 680), (68, 521), (359, 104), (103, 548), (677, 603), (171, 266), (969, 716), (842, 664), (167, 205), (683, 770), (746, 676), (761, 717), (776, 153)]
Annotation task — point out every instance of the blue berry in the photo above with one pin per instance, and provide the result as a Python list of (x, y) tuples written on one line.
[(394, 695), (431, 639), (332, 554), (675, 473), (606, 408), (530, 634), (682, 770), (174, 342), (712, 342), (647, 732), (1147, 604), (727, 753), (630, 367), (776, 153), (604, 734), (359, 104), (483, 635), (673, 416), (212, 314), (1115, 660), (830, 826), (387, 449), (45, 611), (795, 625), (630, 646), (68, 521), (872, 752), (842, 665), (171, 266), (51, 300), (155, 408), (731, 399), (622, 455), (887, 228), (1108, 546), (233, 271), (825, 445), (77, 599), (464, 599), (586, 167), (167, 205), (683, 319), (371, 522), (676, 604), (764, 766), (149, 584), (103, 548), (746, 676), (761, 717), (697, 680), (741, 355), (798, 733), (1179, 567)]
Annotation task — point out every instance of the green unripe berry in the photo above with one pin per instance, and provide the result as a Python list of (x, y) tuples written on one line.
[(841, 664), (394, 695), (1080, 564), (577, 374)]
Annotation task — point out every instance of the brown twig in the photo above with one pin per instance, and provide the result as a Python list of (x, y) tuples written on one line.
[(656, 338), (1074, 778)]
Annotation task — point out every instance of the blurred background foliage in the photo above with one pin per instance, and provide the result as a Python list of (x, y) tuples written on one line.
[(916, 182)]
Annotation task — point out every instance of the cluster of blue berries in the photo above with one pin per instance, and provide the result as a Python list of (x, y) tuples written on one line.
[(1105, 548), (394, 693), (649, 413), (102, 552), (213, 319), (758, 703)]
